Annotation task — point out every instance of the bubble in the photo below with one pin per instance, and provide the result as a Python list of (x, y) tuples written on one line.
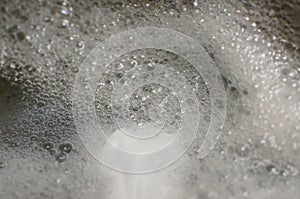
[(195, 3), (14, 144), (80, 45), (272, 169), (15, 64), (65, 23), (52, 151), (149, 105), (64, 12), (48, 19), (61, 157), (29, 68), (75, 69), (33, 138), (234, 93), (48, 145), (66, 147), (238, 57), (20, 36), (2, 164)]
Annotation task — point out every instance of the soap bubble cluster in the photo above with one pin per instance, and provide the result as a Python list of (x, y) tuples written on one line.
[(144, 141), (254, 45)]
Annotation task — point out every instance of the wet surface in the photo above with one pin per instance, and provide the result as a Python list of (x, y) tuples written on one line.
[(254, 45)]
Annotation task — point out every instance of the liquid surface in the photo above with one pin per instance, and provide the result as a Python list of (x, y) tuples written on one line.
[(254, 45)]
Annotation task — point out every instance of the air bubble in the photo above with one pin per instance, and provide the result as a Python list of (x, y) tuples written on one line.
[(41, 74), (272, 169), (48, 145), (64, 12), (66, 147), (7, 140), (47, 19), (195, 3), (15, 65), (14, 144), (61, 157), (52, 151), (80, 45), (233, 92), (65, 23), (2, 164), (150, 67), (29, 68), (33, 138), (75, 69)]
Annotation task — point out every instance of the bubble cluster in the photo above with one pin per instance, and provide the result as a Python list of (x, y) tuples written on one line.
[(148, 123), (141, 100), (254, 44)]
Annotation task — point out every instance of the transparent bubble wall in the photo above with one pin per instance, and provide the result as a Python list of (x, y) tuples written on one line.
[(253, 44)]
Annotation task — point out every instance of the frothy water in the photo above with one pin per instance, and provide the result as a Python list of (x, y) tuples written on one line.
[(256, 51)]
